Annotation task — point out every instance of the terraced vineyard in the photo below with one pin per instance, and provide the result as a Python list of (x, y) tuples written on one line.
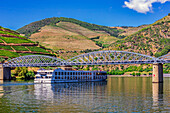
[(20, 48), (5, 47), (12, 44)]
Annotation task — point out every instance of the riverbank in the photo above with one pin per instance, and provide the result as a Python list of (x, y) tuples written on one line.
[(165, 75)]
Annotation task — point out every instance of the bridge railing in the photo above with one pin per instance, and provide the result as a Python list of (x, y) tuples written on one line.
[(34, 61), (92, 58)]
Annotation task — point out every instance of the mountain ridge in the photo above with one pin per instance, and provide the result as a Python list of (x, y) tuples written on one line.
[(152, 39), (35, 26)]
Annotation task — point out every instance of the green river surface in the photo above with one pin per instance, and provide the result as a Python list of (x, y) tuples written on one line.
[(118, 94)]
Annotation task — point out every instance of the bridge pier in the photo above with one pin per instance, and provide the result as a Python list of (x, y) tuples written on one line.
[(5, 73), (157, 73)]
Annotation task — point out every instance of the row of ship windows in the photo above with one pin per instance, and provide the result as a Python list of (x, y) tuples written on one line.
[(82, 77), (74, 77), (78, 73), (73, 73)]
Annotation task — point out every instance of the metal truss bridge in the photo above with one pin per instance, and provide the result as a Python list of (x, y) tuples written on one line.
[(92, 58)]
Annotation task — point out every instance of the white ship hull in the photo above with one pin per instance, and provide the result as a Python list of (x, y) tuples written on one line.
[(64, 81), (65, 76)]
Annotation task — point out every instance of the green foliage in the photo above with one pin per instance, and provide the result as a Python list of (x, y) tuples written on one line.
[(4, 52), (150, 73), (138, 74), (24, 54), (8, 30), (24, 73), (163, 52), (133, 74), (87, 68), (131, 68), (15, 40), (5, 47), (48, 67), (166, 68), (8, 53), (95, 38), (99, 43), (106, 45), (121, 36), (94, 69), (12, 34), (151, 54), (21, 71), (116, 72), (121, 66), (36, 26), (29, 75), (37, 49), (140, 69), (1, 41), (37, 42), (9, 59), (2, 59), (147, 69), (20, 48)]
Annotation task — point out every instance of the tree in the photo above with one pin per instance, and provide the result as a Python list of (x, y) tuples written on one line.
[(140, 69), (9, 59), (2, 59), (37, 42), (116, 69), (21, 71), (133, 73), (121, 66), (138, 74), (29, 74), (151, 54)]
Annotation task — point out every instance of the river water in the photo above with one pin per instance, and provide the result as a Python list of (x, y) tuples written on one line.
[(118, 94)]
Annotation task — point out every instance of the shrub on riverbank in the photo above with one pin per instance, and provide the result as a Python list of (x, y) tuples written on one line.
[(23, 73)]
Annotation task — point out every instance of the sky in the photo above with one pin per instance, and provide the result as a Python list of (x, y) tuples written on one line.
[(14, 14)]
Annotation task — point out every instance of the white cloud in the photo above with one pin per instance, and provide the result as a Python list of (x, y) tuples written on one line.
[(142, 6)]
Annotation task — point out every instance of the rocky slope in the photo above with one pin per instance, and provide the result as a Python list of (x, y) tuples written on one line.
[(151, 40)]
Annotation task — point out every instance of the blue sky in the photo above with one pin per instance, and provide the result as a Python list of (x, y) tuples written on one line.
[(17, 13)]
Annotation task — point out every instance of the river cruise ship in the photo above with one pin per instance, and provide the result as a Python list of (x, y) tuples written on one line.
[(59, 75)]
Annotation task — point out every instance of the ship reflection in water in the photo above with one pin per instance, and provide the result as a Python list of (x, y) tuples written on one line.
[(117, 94), (81, 95)]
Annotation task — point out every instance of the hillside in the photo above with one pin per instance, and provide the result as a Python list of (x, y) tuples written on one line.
[(70, 37), (58, 38), (36, 26), (130, 30), (12, 44), (151, 40), (69, 34)]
